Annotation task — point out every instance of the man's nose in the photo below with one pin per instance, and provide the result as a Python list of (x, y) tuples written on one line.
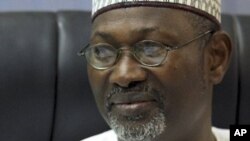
[(127, 71)]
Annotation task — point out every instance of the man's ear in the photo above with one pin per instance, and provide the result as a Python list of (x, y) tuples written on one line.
[(219, 52)]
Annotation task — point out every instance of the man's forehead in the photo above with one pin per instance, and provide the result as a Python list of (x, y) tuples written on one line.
[(141, 15), (140, 21), (137, 12), (150, 17)]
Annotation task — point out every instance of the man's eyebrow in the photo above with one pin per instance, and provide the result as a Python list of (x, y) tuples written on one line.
[(145, 30), (109, 36), (103, 35)]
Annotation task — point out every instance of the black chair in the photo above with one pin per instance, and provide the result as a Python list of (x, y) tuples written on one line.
[(28, 60)]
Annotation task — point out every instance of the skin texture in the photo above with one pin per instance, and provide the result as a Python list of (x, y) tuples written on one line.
[(183, 85)]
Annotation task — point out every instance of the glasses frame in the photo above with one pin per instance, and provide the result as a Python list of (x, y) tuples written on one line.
[(168, 48)]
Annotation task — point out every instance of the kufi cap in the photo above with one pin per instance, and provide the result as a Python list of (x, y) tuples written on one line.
[(210, 9)]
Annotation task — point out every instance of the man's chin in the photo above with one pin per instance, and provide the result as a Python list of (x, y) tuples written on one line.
[(139, 126)]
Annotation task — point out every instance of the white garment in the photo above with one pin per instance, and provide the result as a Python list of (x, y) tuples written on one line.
[(220, 134)]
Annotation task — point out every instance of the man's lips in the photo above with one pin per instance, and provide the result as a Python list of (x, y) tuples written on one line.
[(130, 98), (132, 103)]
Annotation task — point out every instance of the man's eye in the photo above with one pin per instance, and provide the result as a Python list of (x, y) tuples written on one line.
[(152, 51), (102, 52)]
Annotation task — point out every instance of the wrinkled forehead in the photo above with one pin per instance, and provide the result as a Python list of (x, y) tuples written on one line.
[(143, 15), (141, 20)]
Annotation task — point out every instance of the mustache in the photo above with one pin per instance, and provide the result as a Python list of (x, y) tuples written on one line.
[(142, 89)]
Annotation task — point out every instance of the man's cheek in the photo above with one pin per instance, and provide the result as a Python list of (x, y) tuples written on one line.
[(98, 93), (97, 80), (99, 88)]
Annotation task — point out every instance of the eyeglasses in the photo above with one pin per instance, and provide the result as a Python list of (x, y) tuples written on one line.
[(147, 52)]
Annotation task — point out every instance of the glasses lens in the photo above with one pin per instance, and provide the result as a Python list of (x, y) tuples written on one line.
[(150, 53), (101, 56)]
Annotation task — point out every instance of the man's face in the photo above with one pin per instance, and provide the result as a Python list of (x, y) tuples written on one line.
[(141, 102)]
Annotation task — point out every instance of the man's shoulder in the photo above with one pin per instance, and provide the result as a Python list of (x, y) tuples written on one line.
[(221, 134), (105, 136)]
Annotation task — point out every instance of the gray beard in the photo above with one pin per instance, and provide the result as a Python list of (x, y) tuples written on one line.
[(142, 132)]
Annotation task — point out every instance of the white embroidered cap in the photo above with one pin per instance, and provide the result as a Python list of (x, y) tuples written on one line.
[(211, 9)]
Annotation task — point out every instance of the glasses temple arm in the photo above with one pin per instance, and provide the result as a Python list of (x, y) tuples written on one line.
[(199, 36), (82, 51)]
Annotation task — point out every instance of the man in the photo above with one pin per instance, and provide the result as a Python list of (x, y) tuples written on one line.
[(152, 68)]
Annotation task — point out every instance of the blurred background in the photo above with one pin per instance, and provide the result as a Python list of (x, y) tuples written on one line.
[(228, 6)]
